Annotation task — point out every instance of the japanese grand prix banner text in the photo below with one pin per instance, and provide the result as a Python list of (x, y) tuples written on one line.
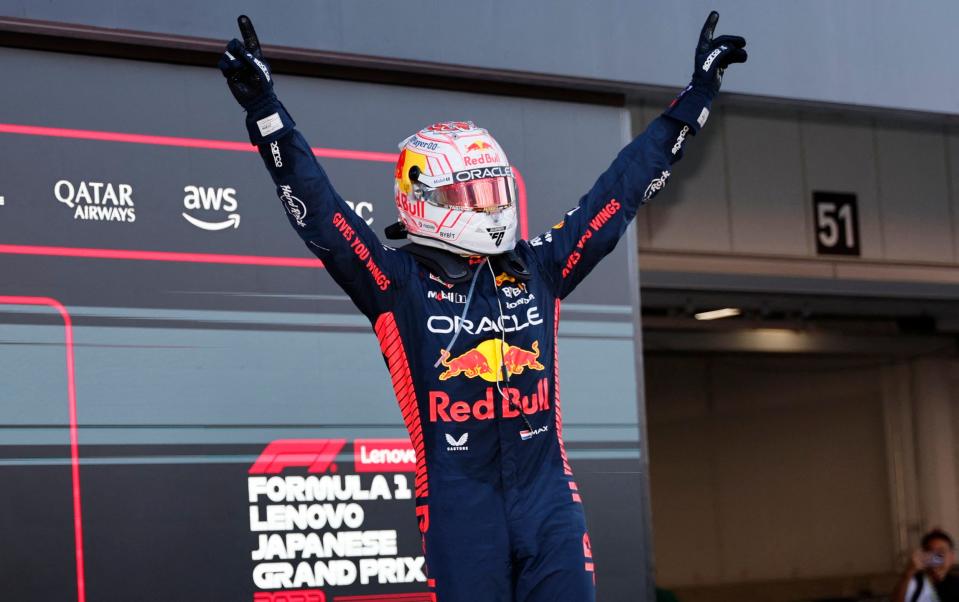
[(316, 521)]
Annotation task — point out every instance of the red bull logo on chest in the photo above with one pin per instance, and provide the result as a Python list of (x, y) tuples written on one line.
[(513, 401), (489, 360)]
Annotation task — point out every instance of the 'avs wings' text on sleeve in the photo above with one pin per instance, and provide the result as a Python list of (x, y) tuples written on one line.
[(590, 231)]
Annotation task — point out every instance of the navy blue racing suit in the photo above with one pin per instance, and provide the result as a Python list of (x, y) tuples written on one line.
[(497, 504)]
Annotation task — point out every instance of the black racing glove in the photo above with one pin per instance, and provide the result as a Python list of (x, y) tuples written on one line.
[(713, 55), (251, 83)]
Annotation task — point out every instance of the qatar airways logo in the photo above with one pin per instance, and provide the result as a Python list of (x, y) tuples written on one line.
[(97, 201)]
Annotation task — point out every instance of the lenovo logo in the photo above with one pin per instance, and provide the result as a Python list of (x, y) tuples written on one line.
[(384, 455)]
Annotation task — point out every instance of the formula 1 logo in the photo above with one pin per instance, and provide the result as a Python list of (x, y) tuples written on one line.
[(317, 455), (488, 360)]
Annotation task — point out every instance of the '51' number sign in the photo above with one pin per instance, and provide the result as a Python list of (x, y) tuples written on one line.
[(837, 223)]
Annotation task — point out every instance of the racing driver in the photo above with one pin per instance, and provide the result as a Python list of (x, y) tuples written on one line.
[(467, 315)]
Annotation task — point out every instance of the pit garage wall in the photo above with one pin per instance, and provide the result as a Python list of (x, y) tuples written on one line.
[(835, 464), (188, 363), (788, 478), (738, 214)]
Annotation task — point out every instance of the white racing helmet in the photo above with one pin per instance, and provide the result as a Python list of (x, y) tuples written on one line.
[(454, 190)]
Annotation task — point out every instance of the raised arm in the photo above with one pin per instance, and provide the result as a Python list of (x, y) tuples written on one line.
[(591, 230), (368, 271)]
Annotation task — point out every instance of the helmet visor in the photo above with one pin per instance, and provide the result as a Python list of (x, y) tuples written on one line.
[(475, 195)]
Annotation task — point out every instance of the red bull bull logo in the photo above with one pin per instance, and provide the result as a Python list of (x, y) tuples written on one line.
[(472, 363), (517, 359), (489, 359), (479, 145)]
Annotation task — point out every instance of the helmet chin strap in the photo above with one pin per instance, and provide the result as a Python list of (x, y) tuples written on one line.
[(455, 268)]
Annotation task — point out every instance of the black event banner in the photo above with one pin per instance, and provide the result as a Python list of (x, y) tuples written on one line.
[(190, 409)]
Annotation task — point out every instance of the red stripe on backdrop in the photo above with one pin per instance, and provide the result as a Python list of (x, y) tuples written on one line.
[(228, 145), (74, 440), (290, 262), (34, 130)]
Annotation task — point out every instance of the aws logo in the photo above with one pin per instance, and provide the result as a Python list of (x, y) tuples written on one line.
[(488, 360), (210, 202)]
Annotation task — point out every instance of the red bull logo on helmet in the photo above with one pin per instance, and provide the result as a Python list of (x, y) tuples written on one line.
[(489, 359), (484, 159), (479, 145)]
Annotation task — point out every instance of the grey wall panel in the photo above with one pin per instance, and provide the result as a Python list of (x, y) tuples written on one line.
[(913, 189), (846, 55), (905, 176), (692, 213), (839, 156), (765, 185)]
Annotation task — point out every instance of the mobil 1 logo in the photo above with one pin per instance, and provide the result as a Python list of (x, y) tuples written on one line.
[(837, 223)]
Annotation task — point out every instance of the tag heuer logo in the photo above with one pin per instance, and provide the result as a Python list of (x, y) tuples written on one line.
[(457, 444)]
